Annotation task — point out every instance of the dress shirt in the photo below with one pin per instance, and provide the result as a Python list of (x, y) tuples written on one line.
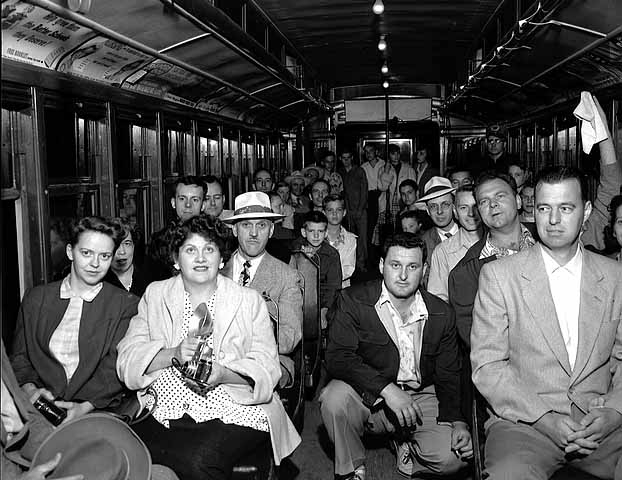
[(238, 266), (526, 241), (345, 244), (565, 283), (441, 233), (64, 341), (444, 258), (372, 174), (409, 335)]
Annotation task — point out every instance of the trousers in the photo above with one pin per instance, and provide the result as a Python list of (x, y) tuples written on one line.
[(516, 451), (347, 419)]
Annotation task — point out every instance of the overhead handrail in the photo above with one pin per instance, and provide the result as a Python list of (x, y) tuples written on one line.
[(107, 32)]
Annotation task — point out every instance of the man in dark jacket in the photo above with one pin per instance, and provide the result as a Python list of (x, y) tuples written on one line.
[(393, 355)]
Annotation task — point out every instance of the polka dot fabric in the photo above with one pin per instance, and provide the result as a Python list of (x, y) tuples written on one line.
[(175, 398)]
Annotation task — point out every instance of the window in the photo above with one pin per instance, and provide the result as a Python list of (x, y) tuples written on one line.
[(177, 148), (209, 151)]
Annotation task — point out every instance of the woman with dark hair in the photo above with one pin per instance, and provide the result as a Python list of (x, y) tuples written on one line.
[(124, 272), (202, 435), (65, 346)]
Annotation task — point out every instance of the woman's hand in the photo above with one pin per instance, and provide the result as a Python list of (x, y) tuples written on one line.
[(74, 409), (221, 374), (185, 350), (33, 393)]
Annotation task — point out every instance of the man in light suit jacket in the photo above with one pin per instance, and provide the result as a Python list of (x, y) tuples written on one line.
[(546, 346), (253, 226)]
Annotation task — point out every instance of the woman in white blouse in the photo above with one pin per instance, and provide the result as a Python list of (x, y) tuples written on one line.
[(203, 436)]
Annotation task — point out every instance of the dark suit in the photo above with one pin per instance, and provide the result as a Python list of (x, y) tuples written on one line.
[(363, 358), (103, 324)]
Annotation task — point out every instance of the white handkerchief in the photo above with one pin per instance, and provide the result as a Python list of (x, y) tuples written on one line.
[(593, 126)]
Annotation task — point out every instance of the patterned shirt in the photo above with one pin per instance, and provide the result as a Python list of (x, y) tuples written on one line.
[(345, 244), (64, 343), (409, 335), (526, 241), (175, 398)]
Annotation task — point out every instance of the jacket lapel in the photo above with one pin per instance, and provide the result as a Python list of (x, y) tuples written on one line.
[(227, 270), (174, 303), (539, 301), (591, 313), (385, 318), (226, 305)]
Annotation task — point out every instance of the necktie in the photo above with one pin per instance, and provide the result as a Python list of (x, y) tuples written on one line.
[(447, 235), (245, 274)]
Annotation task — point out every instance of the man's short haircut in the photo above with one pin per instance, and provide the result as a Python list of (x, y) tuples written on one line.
[(320, 180), (409, 182), (333, 198), (514, 161), (211, 179), (465, 188), (189, 180), (314, 216), (394, 148), (489, 175), (404, 240), (348, 150), (558, 174), (328, 153), (616, 202), (453, 170), (282, 184), (259, 170), (371, 146), (529, 184)]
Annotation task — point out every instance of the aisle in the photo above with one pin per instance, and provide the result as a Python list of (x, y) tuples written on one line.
[(312, 460)]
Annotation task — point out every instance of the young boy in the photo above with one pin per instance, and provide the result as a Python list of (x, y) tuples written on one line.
[(313, 242), (339, 238), (279, 245), (412, 221)]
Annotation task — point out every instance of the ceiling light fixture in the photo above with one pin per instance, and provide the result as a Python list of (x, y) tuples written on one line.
[(382, 44), (378, 7), (385, 84), (385, 68)]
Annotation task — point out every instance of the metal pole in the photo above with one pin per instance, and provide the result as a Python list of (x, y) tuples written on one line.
[(386, 126)]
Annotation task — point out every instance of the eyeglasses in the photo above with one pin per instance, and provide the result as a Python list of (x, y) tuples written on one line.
[(494, 140)]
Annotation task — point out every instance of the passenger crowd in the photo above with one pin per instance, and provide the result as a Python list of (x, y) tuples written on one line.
[(484, 296)]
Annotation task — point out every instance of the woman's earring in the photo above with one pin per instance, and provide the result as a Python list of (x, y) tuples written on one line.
[(176, 266), (221, 266)]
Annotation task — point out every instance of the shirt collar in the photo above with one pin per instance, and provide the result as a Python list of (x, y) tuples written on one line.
[(88, 296), (573, 266), (526, 241), (253, 261), (418, 309), (441, 233), (341, 237)]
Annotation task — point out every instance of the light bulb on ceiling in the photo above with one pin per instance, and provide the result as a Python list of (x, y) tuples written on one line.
[(385, 84), (382, 44), (385, 68), (378, 7)]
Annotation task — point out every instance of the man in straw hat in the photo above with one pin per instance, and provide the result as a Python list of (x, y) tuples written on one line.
[(439, 202), (253, 225), (93, 447)]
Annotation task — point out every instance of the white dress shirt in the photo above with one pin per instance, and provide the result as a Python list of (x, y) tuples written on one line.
[(565, 283), (441, 233), (372, 174), (238, 266)]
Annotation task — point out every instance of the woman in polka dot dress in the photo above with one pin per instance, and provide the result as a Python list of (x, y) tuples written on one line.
[(203, 435)]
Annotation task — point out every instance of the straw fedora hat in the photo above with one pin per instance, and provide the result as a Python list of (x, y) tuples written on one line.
[(436, 187), (252, 205), (97, 446)]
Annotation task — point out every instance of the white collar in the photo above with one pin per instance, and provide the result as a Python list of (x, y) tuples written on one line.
[(573, 266)]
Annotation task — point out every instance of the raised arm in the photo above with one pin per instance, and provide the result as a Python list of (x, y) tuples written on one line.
[(609, 185)]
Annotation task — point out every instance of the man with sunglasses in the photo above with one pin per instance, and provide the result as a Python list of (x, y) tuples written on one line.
[(495, 157)]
